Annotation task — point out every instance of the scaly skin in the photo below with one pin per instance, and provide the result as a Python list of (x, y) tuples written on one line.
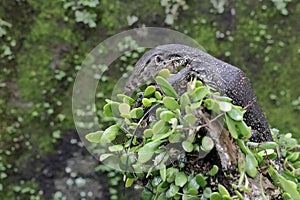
[(221, 76)]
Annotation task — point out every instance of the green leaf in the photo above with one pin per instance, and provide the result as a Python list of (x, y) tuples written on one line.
[(114, 107), (198, 83), (172, 191), (244, 129), (157, 95), (251, 164), (124, 108), (214, 170), (162, 196), (207, 144), (149, 91), (268, 145), (107, 112), (166, 115), (110, 134), (199, 93), (146, 102), (180, 179), (147, 194), (191, 119), (193, 186), (148, 133), (160, 127), (240, 196), (231, 126), (171, 174), (126, 99), (163, 187), (210, 104), (200, 179), (184, 101), (177, 137), (163, 172), (286, 185), (166, 87), (170, 103), (223, 191), (129, 182), (235, 114), (165, 73), (136, 113), (216, 196), (117, 147), (161, 136), (146, 152), (222, 98), (105, 156), (293, 156), (224, 106), (187, 146), (94, 137)]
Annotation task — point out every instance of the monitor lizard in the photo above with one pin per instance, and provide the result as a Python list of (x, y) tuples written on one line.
[(225, 78)]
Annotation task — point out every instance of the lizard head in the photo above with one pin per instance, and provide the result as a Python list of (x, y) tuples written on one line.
[(169, 56)]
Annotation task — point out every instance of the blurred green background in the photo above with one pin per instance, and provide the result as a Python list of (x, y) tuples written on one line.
[(43, 43)]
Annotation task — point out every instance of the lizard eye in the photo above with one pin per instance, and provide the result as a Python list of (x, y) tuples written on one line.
[(158, 59)]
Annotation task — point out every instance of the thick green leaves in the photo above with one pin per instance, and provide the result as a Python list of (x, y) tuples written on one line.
[(111, 109), (124, 108), (245, 130), (199, 93), (214, 170), (129, 182), (146, 102), (163, 187), (149, 91), (146, 152), (165, 73), (172, 191), (180, 179), (251, 164), (171, 174), (160, 127), (223, 191), (224, 106), (166, 87), (170, 103), (116, 147), (147, 194), (210, 104), (148, 133), (191, 119), (110, 134), (126, 99), (187, 146), (163, 172), (157, 95), (235, 114), (166, 115), (136, 113), (231, 127), (286, 185), (200, 179), (207, 144), (94, 137), (193, 186), (216, 196), (105, 156)]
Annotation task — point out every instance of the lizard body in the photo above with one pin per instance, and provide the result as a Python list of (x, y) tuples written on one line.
[(223, 77)]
